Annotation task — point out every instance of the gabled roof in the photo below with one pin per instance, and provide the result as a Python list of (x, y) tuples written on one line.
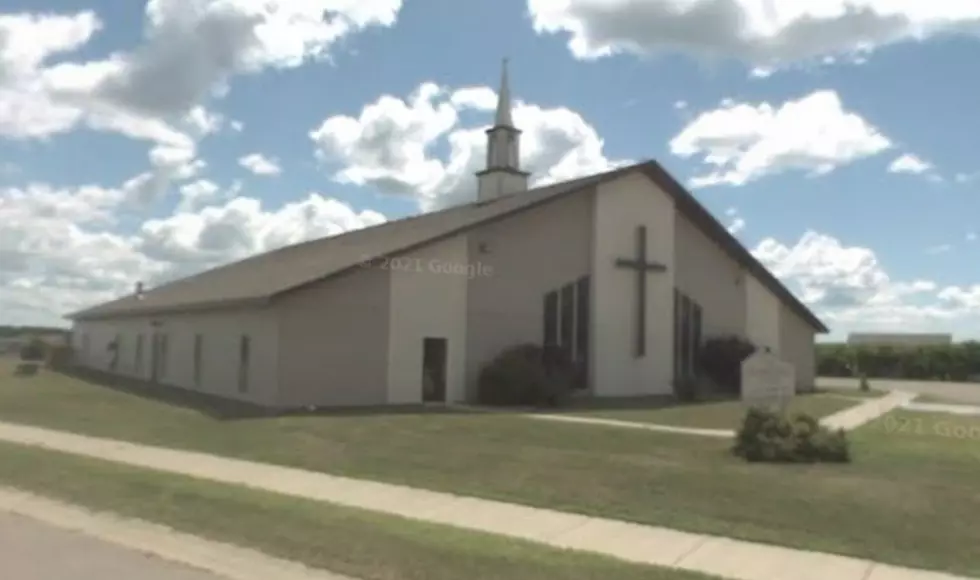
[(261, 278)]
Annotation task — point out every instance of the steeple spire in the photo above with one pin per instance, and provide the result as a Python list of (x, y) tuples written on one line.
[(503, 174), (503, 117)]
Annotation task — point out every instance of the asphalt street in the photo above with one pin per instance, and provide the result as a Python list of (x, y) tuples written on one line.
[(31, 550)]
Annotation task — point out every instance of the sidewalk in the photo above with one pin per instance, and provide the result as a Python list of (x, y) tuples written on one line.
[(866, 412), (637, 543)]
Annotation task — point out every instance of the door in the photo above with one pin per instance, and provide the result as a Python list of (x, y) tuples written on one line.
[(434, 351)]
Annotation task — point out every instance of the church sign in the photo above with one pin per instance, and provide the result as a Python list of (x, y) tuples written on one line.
[(767, 381)]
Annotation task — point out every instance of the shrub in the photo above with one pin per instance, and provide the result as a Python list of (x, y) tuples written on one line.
[(527, 375), (721, 361), (768, 436), (60, 357), (34, 350)]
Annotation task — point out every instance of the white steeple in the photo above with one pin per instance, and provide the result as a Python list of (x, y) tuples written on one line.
[(503, 173)]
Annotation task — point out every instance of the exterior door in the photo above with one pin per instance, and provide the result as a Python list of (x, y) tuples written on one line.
[(434, 359)]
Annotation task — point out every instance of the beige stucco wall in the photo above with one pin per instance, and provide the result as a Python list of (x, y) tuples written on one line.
[(620, 206), (334, 341), (428, 299), (796, 346), (531, 253), (221, 332), (762, 322), (710, 277)]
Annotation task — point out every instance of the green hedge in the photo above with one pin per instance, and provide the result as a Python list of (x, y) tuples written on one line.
[(953, 362), (772, 437)]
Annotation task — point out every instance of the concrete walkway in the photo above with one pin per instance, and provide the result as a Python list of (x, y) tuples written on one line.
[(943, 408), (723, 433), (98, 545), (636, 543), (858, 415)]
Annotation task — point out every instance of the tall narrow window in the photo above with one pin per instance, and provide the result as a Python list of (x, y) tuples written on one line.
[(685, 335), (198, 346), (243, 356), (138, 354), (164, 355), (551, 319), (567, 319), (582, 319), (696, 335)]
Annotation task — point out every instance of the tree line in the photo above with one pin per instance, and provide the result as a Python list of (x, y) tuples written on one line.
[(950, 362)]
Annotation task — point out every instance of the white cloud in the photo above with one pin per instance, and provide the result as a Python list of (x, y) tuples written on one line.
[(389, 144), (847, 286), (971, 236), (259, 164), (765, 34), (940, 249), (191, 51), (57, 255), (743, 142), (909, 163), (197, 194), (736, 222)]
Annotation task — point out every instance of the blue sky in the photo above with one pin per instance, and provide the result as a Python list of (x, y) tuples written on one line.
[(840, 146)]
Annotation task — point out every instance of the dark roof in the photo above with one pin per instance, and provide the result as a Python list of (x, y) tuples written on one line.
[(263, 277)]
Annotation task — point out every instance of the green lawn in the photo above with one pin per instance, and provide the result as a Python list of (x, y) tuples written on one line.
[(909, 500), (348, 541), (857, 393), (712, 415)]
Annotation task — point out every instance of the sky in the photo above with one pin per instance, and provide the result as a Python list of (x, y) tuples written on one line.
[(146, 141)]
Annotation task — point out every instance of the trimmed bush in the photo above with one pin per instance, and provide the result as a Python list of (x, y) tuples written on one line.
[(527, 375), (34, 350), (721, 361), (687, 389), (769, 436)]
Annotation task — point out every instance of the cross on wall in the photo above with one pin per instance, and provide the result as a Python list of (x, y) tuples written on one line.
[(642, 267)]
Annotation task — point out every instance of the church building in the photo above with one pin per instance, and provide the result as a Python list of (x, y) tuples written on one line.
[(625, 270)]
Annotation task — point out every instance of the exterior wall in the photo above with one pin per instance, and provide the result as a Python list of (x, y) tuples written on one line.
[(762, 325), (220, 332), (711, 278), (334, 341), (796, 345), (497, 183), (530, 254), (427, 299), (621, 206)]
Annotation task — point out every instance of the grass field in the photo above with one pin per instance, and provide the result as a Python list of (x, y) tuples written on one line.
[(712, 415), (357, 543), (908, 499)]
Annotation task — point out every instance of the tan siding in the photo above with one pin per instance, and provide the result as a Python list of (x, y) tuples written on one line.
[(221, 332), (530, 254), (334, 337), (621, 206), (797, 347), (711, 278)]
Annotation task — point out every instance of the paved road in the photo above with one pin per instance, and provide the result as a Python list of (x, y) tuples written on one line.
[(30, 550), (954, 392)]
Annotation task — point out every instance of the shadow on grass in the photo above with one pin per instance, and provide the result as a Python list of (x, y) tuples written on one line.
[(224, 409)]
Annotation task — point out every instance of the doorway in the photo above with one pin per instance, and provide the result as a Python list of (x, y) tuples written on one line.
[(434, 358)]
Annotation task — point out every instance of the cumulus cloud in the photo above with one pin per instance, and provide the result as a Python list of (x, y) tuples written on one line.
[(736, 222), (389, 144), (742, 142), (259, 164), (848, 286), (764, 34), (191, 51), (58, 255)]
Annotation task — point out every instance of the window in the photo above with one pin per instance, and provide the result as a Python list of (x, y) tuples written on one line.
[(551, 318), (243, 356), (164, 355), (582, 320), (138, 354), (687, 334), (567, 331), (198, 345)]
